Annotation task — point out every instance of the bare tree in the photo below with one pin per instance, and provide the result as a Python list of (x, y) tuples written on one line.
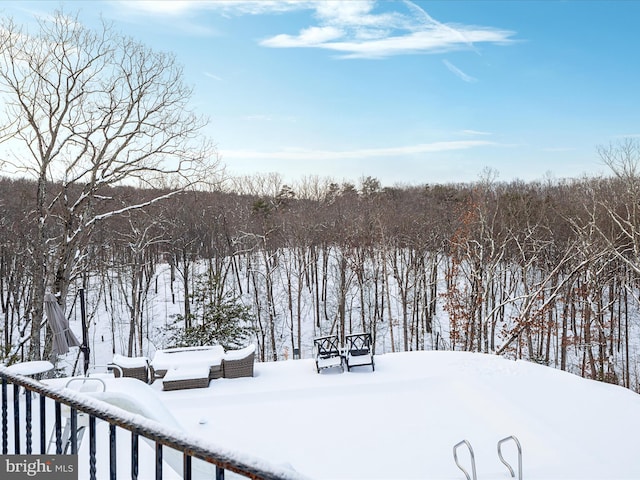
[(85, 111), (622, 204)]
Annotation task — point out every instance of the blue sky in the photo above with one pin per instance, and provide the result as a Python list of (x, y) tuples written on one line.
[(407, 92)]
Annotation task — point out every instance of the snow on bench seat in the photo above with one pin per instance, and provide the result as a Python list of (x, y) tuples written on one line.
[(186, 376), (172, 358)]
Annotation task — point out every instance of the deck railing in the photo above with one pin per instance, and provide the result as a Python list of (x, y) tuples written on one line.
[(23, 392)]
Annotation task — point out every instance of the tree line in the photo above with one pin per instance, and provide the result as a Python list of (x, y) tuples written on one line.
[(545, 271)]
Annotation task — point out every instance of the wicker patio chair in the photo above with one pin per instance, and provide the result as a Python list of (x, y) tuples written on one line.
[(239, 363), (133, 367)]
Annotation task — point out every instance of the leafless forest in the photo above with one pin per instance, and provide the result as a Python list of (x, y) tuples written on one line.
[(544, 271)]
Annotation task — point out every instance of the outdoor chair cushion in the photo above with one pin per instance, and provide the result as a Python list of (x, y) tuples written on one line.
[(329, 362), (357, 352)]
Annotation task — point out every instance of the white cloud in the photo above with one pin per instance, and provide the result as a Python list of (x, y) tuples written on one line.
[(309, 37), (170, 14), (160, 7), (364, 32), (259, 117), (306, 154), (213, 76), (558, 149), (459, 73), (370, 35), (419, 42), (229, 7), (475, 132), (357, 14)]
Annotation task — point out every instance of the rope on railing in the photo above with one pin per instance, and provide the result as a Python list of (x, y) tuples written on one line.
[(163, 435)]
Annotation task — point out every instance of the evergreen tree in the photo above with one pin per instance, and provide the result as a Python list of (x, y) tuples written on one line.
[(216, 318)]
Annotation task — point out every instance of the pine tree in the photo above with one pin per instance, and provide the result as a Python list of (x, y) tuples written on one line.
[(216, 318)]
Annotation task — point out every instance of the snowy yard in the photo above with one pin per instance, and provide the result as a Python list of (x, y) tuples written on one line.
[(399, 422), (402, 420)]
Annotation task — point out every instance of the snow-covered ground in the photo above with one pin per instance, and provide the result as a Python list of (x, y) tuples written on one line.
[(402, 421), (398, 422)]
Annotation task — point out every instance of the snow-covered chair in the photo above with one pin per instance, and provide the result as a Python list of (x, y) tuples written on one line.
[(327, 353), (133, 367), (239, 363), (358, 350)]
